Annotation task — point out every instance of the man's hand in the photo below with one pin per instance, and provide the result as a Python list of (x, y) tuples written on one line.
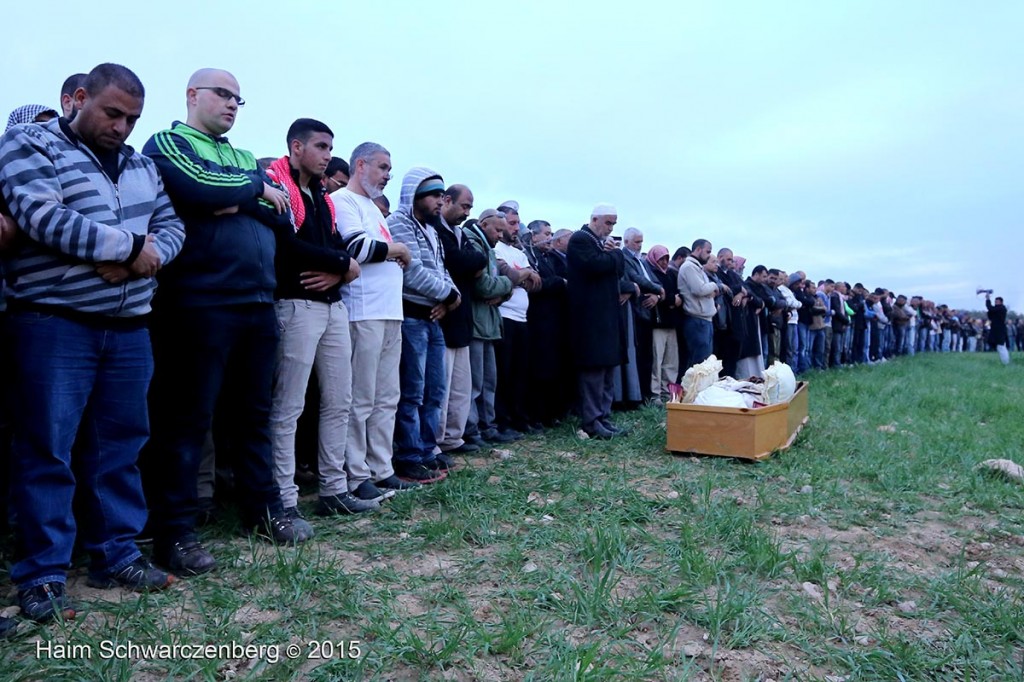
[(277, 197), (623, 298), (148, 261), (8, 231), (649, 301), (319, 281), (226, 211), (114, 273), (737, 300), (353, 271), (531, 281), (679, 301), (399, 252), (437, 312), (497, 300), (725, 289), (609, 245), (456, 304)]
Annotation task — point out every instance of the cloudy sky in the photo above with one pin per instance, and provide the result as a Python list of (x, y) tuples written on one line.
[(868, 141)]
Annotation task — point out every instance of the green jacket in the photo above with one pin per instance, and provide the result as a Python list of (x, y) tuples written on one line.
[(486, 318)]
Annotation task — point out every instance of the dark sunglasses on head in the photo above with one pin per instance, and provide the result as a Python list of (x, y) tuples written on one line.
[(224, 93)]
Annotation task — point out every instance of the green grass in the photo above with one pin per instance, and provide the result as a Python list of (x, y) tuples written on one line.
[(581, 560)]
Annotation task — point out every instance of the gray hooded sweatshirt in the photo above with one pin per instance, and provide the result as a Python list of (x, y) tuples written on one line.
[(425, 281)]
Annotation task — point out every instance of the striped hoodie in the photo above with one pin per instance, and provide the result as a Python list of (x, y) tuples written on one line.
[(73, 217), (425, 281)]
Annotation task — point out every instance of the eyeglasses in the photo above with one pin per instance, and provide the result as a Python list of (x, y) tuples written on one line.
[(224, 93)]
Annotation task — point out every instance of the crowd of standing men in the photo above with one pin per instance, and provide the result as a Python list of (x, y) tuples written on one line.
[(286, 286)]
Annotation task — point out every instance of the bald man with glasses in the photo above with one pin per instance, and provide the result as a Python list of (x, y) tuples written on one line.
[(214, 330)]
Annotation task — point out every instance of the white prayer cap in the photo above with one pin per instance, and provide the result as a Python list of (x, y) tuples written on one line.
[(510, 204), (603, 209)]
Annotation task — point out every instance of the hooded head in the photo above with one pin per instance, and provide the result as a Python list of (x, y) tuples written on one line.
[(411, 182), (422, 192)]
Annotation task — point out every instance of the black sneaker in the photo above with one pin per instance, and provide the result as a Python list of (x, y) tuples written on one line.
[(395, 484), (139, 575), (598, 432), (371, 493), (286, 527), (474, 440), (442, 462), (8, 626), (615, 430), (417, 473), (507, 436), (44, 602), (346, 503), (186, 557)]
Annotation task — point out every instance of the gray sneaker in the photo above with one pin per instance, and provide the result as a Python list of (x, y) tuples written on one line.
[(287, 527), (370, 493), (347, 503)]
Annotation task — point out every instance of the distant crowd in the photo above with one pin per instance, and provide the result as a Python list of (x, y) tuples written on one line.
[(187, 316)]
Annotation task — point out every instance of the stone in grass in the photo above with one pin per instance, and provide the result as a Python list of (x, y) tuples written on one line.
[(806, 490), (692, 649), (494, 480), (909, 606), (536, 499), (529, 567), (813, 591), (1008, 468), (672, 495), (502, 454), (582, 435)]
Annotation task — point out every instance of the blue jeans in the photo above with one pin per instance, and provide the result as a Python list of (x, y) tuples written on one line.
[(803, 332), (78, 385), (816, 341), (423, 378), (793, 349), (699, 334), (210, 358)]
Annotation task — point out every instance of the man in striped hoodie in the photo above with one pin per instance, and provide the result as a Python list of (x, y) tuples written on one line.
[(94, 225), (428, 293)]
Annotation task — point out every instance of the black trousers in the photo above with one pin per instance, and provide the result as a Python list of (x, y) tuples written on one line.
[(512, 355)]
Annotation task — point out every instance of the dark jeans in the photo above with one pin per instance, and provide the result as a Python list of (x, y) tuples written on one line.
[(597, 385), (82, 385), (644, 353), (512, 354), (201, 352), (423, 381), (816, 341), (698, 335)]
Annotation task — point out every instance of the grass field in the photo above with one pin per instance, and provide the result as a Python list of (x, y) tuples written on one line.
[(871, 550)]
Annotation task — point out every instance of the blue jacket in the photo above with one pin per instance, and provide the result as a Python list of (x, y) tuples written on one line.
[(228, 258)]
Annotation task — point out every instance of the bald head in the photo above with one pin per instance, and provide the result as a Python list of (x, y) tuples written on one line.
[(213, 98), (457, 204)]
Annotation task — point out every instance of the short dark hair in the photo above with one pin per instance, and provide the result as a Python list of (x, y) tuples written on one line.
[(535, 226), (699, 244), (759, 269), (773, 271), (72, 83), (335, 165), (121, 77), (303, 128), (829, 281), (681, 252)]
